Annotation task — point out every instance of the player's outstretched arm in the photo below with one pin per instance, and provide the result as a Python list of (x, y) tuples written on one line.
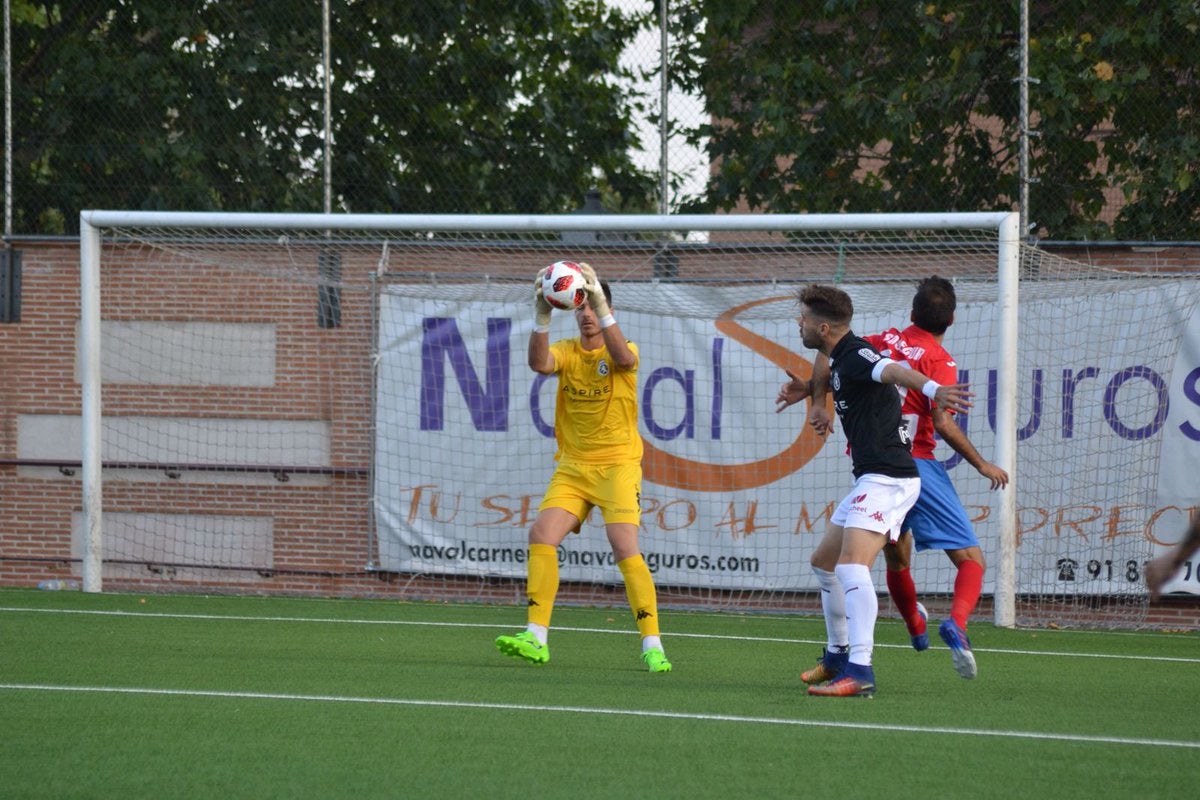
[(796, 390), (792, 392), (956, 437), (1160, 570), (950, 396)]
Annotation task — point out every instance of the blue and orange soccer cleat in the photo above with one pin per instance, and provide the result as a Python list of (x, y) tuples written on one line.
[(828, 667), (960, 648), (855, 681)]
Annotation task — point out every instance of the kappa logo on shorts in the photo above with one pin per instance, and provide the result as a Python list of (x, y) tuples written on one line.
[(877, 517)]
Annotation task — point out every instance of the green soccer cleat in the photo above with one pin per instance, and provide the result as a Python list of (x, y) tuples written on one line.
[(656, 660), (525, 645)]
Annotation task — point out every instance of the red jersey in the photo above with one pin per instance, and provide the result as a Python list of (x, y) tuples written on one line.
[(921, 351)]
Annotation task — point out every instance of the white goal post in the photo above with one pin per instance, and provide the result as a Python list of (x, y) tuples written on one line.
[(270, 401)]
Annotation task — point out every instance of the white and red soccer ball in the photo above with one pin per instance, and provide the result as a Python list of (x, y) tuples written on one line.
[(563, 285)]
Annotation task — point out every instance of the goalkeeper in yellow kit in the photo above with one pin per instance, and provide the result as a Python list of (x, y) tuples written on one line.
[(599, 464)]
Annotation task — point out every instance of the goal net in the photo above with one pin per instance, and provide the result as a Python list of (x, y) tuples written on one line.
[(341, 405)]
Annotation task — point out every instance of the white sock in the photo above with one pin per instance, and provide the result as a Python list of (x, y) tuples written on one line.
[(862, 609), (651, 642), (541, 632), (833, 606)]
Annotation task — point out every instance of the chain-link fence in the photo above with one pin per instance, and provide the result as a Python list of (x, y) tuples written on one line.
[(524, 106)]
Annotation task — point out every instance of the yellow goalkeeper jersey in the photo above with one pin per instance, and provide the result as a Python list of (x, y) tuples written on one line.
[(595, 410)]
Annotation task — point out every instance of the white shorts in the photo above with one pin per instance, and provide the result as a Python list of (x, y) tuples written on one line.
[(878, 503)]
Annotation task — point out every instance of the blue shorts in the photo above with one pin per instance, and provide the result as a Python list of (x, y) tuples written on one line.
[(938, 521)]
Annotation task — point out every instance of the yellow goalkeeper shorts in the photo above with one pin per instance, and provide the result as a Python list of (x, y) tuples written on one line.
[(615, 489)]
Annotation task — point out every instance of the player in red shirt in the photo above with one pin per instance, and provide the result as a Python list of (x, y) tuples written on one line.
[(938, 521)]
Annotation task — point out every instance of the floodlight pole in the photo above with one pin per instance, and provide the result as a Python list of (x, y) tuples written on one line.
[(327, 78), (663, 123), (8, 135), (1023, 82)]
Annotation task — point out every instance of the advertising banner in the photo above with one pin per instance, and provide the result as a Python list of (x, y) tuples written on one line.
[(735, 495)]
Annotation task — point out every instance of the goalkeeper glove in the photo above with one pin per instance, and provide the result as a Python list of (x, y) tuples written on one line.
[(595, 293), (541, 309)]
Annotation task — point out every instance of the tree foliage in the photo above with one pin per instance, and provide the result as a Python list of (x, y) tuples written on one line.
[(872, 105), (522, 105), (460, 106)]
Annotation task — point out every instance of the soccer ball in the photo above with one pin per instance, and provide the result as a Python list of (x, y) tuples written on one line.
[(562, 286)]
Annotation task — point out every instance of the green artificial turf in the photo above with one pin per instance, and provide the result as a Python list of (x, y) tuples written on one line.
[(172, 696)]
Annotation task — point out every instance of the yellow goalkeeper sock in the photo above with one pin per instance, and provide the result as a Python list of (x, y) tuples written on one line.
[(542, 585), (639, 588)]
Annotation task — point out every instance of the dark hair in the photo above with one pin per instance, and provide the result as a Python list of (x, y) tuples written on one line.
[(607, 291), (933, 305), (827, 302)]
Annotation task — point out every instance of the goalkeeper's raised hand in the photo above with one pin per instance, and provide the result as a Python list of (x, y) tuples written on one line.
[(541, 309), (595, 293)]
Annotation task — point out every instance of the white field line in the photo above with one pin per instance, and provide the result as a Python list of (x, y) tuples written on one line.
[(670, 634), (618, 712)]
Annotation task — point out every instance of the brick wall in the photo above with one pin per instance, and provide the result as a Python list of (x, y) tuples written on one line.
[(318, 516)]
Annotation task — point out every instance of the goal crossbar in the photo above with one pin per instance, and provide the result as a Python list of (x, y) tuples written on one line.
[(552, 222)]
